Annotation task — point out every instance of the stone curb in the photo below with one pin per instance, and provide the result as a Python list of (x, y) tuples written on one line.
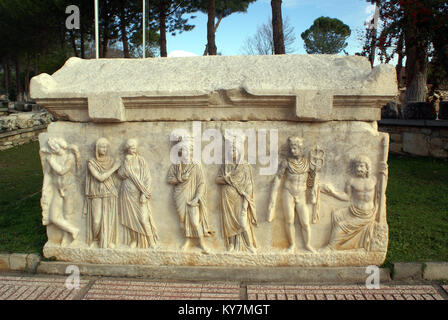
[(407, 271), (271, 274), (435, 271), (19, 262)]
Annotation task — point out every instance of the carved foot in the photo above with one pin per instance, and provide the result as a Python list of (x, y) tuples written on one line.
[(65, 240), (94, 245), (133, 244), (75, 234), (185, 246), (252, 250), (291, 249), (309, 248), (75, 243), (326, 249)]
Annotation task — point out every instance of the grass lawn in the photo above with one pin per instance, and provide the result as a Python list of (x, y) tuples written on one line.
[(417, 200)]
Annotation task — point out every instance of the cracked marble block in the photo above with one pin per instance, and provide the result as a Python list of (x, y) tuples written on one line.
[(216, 161)]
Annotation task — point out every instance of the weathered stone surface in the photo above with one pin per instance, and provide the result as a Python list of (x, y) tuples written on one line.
[(408, 271), (396, 148), (391, 110), (266, 274), (17, 261), (415, 143), (289, 87), (435, 271), (154, 147), (4, 262), (135, 177), (443, 110), (420, 110), (32, 261), (396, 137), (24, 120)]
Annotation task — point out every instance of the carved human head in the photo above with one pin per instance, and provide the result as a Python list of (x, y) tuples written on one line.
[(102, 145), (295, 146), (362, 166), (57, 145), (131, 146), (186, 149), (234, 148)]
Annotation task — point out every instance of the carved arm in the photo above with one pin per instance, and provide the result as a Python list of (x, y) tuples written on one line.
[(61, 170), (274, 192), (329, 190), (102, 176)]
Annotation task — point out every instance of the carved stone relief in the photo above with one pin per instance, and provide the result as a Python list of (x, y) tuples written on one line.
[(135, 194), (300, 189), (122, 205), (101, 193), (61, 166), (189, 194), (239, 215)]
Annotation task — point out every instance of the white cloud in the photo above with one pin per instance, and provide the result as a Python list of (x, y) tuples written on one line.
[(181, 53)]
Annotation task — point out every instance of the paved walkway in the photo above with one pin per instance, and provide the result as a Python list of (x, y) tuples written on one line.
[(39, 287)]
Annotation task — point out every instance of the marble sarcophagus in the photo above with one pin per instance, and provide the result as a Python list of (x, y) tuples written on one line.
[(216, 161)]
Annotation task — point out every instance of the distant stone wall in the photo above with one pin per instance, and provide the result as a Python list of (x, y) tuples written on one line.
[(14, 138), (19, 128), (417, 137)]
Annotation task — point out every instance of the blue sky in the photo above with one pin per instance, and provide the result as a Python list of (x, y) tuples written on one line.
[(235, 29)]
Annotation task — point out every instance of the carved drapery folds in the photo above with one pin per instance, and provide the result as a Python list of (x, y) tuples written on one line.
[(305, 186)]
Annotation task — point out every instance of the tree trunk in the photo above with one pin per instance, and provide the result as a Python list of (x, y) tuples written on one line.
[(416, 74), (18, 84), (216, 28), (124, 35), (372, 47), (399, 67), (416, 61), (277, 27), (73, 40), (211, 45), (162, 25), (5, 78), (26, 82), (105, 41), (8, 67), (82, 47)]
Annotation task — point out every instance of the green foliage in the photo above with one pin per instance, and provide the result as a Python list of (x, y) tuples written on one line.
[(224, 8), (424, 25), (21, 227), (174, 11), (417, 209), (326, 36)]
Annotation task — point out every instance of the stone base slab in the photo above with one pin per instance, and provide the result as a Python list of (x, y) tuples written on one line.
[(265, 274), (435, 271), (163, 257)]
